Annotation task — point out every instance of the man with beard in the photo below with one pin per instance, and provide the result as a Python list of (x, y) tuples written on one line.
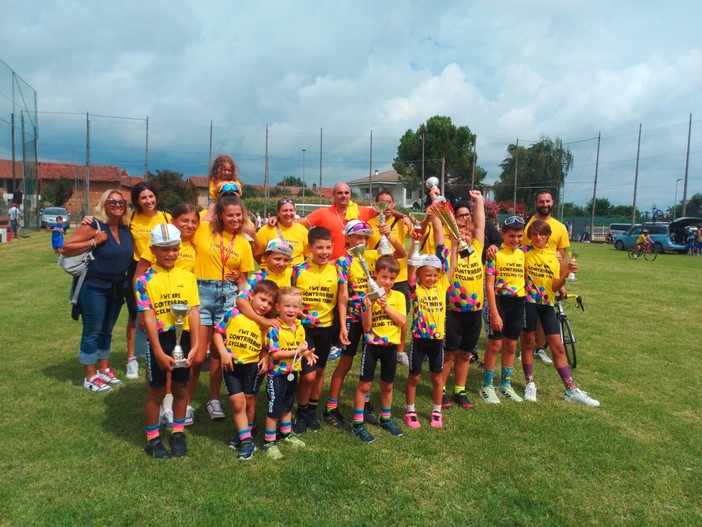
[(558, 242)]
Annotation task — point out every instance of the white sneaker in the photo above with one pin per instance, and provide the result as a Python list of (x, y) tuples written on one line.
[(189, 416), (403, 359), (488, 395), (334, 353), (166, 420), (530, 392), (96, 384), (109, 376), (132, 369), (576, 395), (509, 393), (215, 410), (540, 355)]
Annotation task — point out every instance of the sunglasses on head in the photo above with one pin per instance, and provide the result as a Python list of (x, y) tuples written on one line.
[(286, 201), (116, 202), (514, 219)]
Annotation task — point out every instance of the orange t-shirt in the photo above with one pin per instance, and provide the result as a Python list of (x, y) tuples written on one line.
[(335, 221)]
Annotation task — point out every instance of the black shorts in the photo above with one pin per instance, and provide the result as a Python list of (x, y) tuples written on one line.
[(281, 395), (547, 316), (432, 349), (511, 309), (129, 293), (371, 354), (321, 340), (463, 330), (403, 287), (154, 374), (355, 331), (244, 378)]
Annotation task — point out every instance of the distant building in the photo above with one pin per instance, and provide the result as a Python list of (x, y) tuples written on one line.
[(388, 180)]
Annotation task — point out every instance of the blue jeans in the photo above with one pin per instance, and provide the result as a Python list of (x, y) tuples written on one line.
[(100, 311)]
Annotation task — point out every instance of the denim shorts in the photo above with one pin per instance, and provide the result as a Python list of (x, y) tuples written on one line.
[(215, 300)]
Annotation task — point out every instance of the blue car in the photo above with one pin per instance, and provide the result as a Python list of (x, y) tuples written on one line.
[(667, 237)]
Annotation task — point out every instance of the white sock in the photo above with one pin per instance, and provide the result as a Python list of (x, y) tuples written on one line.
[(167, 403), (437, 408), (410, 408)]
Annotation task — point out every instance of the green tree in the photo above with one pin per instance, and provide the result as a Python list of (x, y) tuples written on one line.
[(172, 189), (543, 165), (602, 207), (441, 140), (57, 192), (693, 206), (291, 181), (571, 210)]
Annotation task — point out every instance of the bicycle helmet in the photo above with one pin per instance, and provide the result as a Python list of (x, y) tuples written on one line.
[(645, 231)]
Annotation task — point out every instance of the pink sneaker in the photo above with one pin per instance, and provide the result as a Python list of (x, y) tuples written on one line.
[(412, 421), (437, 420)]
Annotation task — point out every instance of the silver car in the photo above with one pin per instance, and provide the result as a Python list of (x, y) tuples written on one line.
[(49, 214)]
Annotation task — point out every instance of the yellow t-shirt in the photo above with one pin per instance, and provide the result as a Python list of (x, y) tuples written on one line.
[(141, 226), (465, 291), (186, 257), (158, 288), (320, 287), (508, 270), (398, 232), (284, 339), (559, 234), (353, 274), (295, 235), (214, 249), (242, 336), (215, 182), (428, 309), (384, 331), (281, 280), (542, 267)]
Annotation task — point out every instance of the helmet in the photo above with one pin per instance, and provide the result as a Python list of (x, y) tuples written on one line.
[(645, 231)]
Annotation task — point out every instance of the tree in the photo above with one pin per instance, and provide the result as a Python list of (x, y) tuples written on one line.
[(693, 207), (57, 192), (291, 181), (603, 207), (441, 139), (172, 189), (543, 165)]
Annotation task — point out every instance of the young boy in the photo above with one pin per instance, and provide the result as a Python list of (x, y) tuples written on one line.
[(57, 229), (546, 275), (384, 323), (239, 341), (156, 290), (354, 288), (319, 281), (287, 348), (641, 242), (428, 286), (504, 287)]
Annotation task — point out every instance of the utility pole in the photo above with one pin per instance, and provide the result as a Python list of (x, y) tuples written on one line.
[(636, 178)]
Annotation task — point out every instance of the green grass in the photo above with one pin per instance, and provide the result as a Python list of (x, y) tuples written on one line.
[(75, 458)]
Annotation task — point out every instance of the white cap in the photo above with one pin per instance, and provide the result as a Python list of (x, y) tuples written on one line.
[(429, 260), (276, 245), (165, 235), (358, 227)]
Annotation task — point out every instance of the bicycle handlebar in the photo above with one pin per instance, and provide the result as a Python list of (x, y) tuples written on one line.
[(578, 300)]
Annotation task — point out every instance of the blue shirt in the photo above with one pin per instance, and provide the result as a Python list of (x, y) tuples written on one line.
[(57, 236), (112, 259)]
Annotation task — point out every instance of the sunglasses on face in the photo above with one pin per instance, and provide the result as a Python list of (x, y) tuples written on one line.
[(116, 202), (514, 219)]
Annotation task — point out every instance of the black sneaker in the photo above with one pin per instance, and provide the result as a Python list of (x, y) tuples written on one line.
[(446, 401), (247, 450), (235, 443), (360, 432), (311, 419), (300, 422), (154, 448), (462, 400), (335, 419), (390, 426), (369, 415), (178, 445), (473, 358)]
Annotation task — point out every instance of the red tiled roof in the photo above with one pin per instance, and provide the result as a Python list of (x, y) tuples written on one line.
[(52, 171)]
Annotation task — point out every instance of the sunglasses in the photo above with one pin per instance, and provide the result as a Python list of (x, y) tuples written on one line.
[(515, 219), (361, 228), (116, 202), (229, 187), (286, 201), (466, 215)]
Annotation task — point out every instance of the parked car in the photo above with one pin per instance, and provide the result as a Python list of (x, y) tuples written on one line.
[(615, 229), (667, 237), (49, 215)]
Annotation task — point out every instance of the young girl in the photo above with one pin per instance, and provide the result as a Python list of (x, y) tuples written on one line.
[(186, 219), (224, 259), (286, 346), (224, 170), (545, 275)]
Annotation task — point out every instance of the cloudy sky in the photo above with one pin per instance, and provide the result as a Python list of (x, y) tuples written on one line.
[(507, 69)]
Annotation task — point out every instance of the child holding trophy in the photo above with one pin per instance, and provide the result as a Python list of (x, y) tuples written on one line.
[(168, 298)]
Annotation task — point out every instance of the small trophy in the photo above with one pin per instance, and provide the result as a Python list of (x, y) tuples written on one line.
[(375, 290), (417, 218), (443, 210), (179, 311), (571, 276), (384, 247)]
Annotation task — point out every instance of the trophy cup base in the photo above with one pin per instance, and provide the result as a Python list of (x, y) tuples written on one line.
[(376, 294), (181, 363), (571, 278), (465, 250)]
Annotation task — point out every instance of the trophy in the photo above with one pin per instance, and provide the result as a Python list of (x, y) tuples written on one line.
[(384, 247), (179, 311), (443, 210), (417, 218), (375, 290), (571, 276)]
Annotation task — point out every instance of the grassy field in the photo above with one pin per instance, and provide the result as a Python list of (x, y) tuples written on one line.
[(75, 458)]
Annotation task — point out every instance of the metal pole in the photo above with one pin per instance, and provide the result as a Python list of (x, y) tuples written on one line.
[(594, 190), (472, 175), (636, 178), (423, 175), (443, 171), (303, 174), (146, 155), (516, 170), (265, 180), (86, 187), (320, 166), (687, 166), (209, 164), (675, 201), (370, 169)]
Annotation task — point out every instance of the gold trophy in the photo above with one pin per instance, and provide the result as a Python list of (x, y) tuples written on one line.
[(417, 218), (443, 210), (384, 247), (571, 276), (179, 311), (375, 291)]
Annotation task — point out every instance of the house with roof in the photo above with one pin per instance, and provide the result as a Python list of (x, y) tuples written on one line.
[(368, 187)]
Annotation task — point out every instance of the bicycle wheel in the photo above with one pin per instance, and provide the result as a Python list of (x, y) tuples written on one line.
[(568, 342), (650, 255), (632, 252)]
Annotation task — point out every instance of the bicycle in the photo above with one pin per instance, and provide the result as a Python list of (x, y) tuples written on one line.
[(648, 252), (567, 336)]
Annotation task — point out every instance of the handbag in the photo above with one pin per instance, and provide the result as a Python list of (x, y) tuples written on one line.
[(77, 267)]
